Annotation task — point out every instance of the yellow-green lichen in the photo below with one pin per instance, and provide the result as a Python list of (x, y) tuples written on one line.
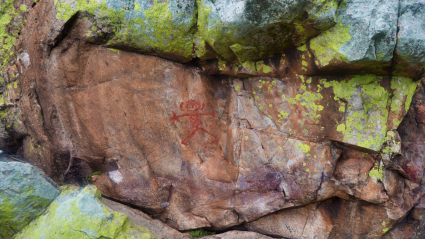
[(403, 90), (365, 124), (23, 8), (303, 147), (377, 172), (261, 66), (9, 16), (325, 47)]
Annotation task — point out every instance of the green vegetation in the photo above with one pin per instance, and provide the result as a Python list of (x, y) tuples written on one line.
[(200, 233), (88, 177)]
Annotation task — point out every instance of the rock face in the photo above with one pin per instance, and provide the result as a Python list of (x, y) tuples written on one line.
[(24, 195), (307, 114)]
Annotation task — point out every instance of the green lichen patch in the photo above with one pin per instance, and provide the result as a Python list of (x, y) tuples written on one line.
[(303, 147), (24, 195), (81, 213), (326, 46), (10, 26), (368, 108), (403, 90), (377, 172)]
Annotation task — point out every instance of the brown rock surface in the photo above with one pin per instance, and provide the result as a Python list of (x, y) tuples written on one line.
[(288, 151)]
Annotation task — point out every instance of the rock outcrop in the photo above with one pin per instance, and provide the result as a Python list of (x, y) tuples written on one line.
[(215, 114)]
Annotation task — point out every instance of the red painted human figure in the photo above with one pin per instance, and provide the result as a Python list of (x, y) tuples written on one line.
[(192, 108)]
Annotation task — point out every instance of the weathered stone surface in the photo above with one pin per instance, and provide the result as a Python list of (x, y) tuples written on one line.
[(197, 150), (354, 40), (311, 221), (410, 50), (160, 27), (249, 30), (333, 218), (413, 226), (355, 175), (12, 19), (156, 227), (356, 110), (237, 235), (193, 151), (411, 162), (24, 195), (81, 213)]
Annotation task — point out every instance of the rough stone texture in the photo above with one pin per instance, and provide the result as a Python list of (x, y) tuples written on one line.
[(81, 213), (12, 19), (412, 132), (365, 33), (231, 137), (413, 226), (248, 134), (24, 195), (158, 27), (249, 30), (237, 235), (410, 50), (341, 217)]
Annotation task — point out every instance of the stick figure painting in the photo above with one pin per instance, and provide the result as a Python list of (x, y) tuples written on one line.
[(194, 110)]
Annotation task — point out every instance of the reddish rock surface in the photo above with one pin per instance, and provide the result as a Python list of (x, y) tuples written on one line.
[(278, 146)]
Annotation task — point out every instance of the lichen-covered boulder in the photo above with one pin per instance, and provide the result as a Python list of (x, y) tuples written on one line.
[(249, 30), (24, 195), (160, 27), (354, 40), (81, 213)]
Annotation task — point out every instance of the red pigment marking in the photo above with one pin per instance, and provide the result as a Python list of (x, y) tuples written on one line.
[(192, 107)]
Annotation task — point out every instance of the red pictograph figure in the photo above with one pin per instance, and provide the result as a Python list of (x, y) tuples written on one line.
[(192, 108)]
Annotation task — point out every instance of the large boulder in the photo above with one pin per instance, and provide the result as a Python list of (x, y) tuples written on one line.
[(81, 213), (24, 195), (364, 35)]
